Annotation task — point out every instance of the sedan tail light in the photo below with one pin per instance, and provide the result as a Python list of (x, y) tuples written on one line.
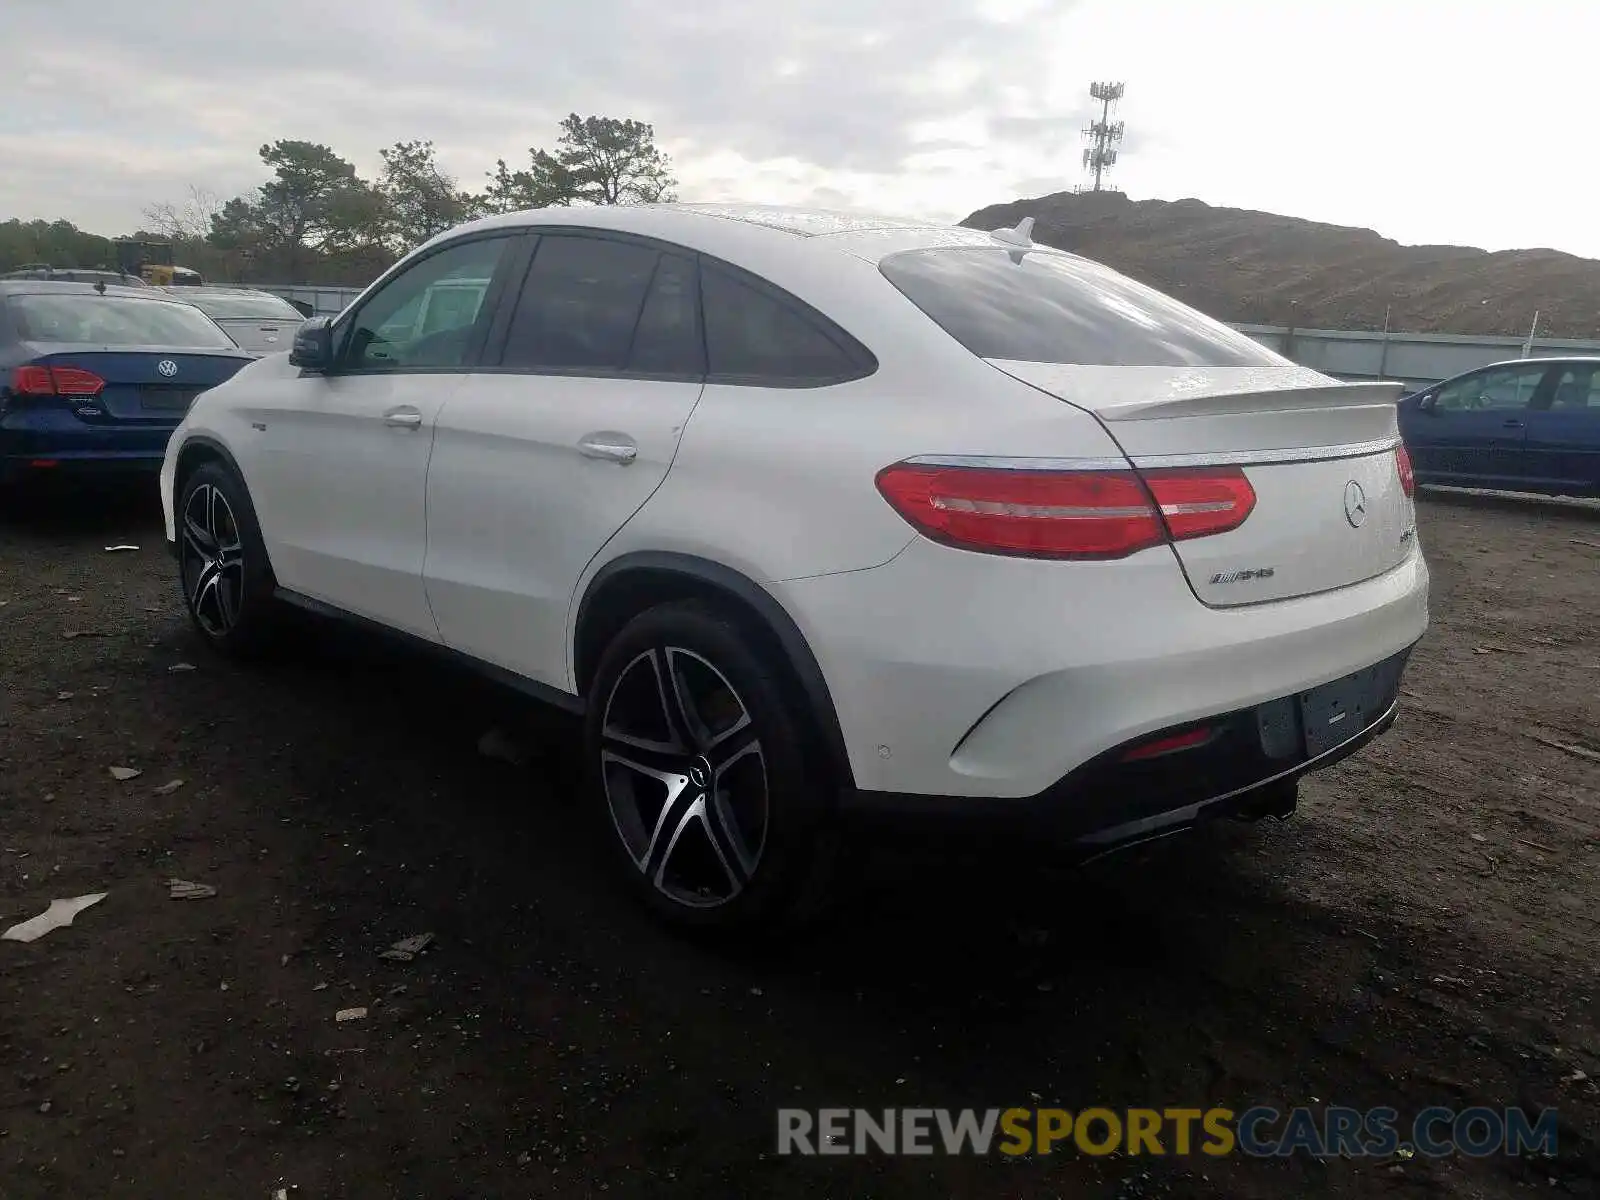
[(38, 380), (1064, 514), (1408, 479)]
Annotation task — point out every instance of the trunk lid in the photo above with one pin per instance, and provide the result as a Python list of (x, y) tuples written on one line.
[(143, 385), (261, 335), (1330, 510)]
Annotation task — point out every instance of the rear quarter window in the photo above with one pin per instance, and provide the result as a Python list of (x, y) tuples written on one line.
[(756, 335), (1044, 306)]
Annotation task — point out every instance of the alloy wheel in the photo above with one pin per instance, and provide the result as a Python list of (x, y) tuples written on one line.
[(212, 560), (685, 777)]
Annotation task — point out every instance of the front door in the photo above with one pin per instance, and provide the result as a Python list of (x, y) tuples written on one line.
[(538, 462), (1564, 432), (344, 460), (1472, 431)]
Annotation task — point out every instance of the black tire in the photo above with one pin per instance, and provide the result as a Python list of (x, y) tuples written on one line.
[(228, 595), (778, 878)]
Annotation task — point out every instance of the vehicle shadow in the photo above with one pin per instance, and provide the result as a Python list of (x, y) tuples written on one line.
[(72, 510), (941, 933)]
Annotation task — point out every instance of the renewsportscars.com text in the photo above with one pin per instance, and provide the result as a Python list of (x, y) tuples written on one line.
[(1258, 1132)]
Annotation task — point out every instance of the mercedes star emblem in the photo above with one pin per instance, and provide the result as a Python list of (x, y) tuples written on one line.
[(1355, 504)]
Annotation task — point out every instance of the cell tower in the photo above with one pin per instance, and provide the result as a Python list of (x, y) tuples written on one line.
[(1103, 135)]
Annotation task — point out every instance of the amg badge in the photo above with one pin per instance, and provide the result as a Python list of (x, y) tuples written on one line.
[(1242, 576)]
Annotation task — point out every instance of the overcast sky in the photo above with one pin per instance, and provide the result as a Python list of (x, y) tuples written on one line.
[(1463, 121)]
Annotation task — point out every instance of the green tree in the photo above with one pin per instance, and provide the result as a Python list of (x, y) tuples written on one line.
[(55, 243), (597, 160), (302, 211), (420, 199), (603, 160), (512, 191)]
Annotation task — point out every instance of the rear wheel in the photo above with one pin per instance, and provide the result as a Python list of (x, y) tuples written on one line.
[(698, 757), (222, 562)]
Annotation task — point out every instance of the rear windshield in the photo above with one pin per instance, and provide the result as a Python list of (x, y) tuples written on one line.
[(228, 308), (1057, 308), (113, 321)]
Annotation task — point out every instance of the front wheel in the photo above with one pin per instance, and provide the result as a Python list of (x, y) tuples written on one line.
[(698, 756), (222, 562)]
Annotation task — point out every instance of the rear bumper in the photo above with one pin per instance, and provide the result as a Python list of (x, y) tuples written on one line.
[(45, 465), (34, 443), (1249, 766), (994, 680)]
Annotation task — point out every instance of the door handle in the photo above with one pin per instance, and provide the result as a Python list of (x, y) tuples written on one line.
[(612, 447), (402, 418), (1512, 423)]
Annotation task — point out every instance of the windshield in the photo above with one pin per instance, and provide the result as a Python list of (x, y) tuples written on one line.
[(228, 308), (1058, 308), (113, 321)]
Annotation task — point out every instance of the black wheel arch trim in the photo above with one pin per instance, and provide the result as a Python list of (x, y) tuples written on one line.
[(802, 662), (212, 445)]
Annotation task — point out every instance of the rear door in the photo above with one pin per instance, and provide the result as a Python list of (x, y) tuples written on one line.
[(539, 460), (1472, 431), (1563, 443)]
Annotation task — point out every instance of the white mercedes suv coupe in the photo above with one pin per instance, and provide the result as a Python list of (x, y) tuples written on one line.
[(810, 514)]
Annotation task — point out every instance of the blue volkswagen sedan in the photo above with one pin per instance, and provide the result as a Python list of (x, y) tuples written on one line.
[(1532, 425), (95, 378)]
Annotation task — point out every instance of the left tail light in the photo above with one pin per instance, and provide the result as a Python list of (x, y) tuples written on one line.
[(39, 380), (1064, 514)]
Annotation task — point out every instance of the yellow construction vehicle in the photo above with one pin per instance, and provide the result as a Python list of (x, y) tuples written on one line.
[(152, 262)]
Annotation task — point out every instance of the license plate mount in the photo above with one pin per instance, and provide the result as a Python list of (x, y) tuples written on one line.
[(1336, 712), (167, 400)]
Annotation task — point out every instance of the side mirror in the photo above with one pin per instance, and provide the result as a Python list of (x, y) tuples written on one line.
[(313, 345)]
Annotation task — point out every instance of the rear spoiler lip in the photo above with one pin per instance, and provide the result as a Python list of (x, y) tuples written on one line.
[(1230, 403), (1119, 394)]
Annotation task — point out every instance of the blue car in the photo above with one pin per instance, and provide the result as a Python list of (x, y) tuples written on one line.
[(1532, 425), (94, 378)]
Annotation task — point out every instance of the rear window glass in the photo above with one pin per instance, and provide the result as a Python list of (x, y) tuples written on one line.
[(1056, 308), (113, 321), (228, 308)]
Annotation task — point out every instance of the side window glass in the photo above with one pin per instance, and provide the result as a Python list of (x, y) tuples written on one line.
[(1503, 389), (427, 315), (580, 304), (753, 337), (1578, 389), (667, 338)]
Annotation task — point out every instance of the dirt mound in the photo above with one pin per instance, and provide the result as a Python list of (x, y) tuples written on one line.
[(1257, 267)]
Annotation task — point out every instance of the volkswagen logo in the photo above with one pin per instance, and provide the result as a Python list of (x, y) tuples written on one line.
[(167, 367), (1355, 504)]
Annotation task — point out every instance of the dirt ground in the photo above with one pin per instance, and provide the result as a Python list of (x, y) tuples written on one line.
[(1424, 932)]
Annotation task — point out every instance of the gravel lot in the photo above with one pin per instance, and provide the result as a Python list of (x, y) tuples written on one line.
[(1424, 932)]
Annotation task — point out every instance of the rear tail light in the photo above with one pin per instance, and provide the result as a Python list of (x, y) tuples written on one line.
[(37, 380), (1408, 480), (1065, 514)]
